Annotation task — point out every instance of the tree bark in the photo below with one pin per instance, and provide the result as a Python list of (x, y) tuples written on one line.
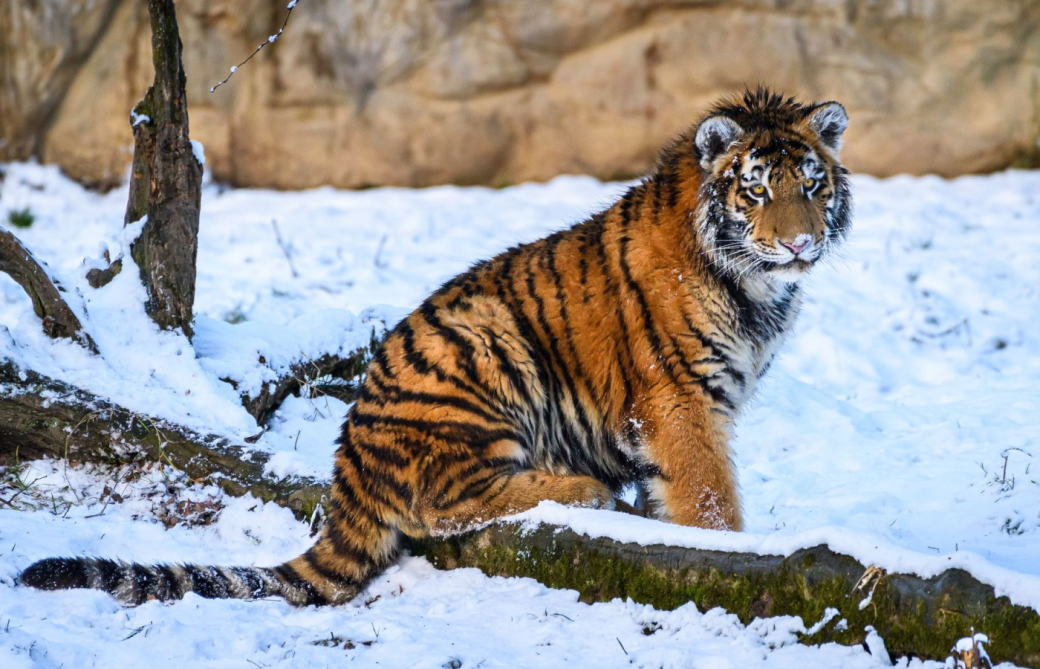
[(44, 417), (58, 319), (165, 182)]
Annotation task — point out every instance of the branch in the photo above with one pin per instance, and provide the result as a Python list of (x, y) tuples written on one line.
[(270, 40), (306, 373), (58, 319)]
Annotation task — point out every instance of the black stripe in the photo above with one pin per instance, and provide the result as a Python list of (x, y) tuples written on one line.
[(509, 297), (110, 573), (492, 469), (581, 434), (289, 577), (344, 503), (397, 394), (466, 353), (253, 580), (203, 582), (475, 489), (145, 583), (171, 586), (314, 562), (349, 549), (371, 482), (656, 211), (384, 456), (418, 361), (457, 431)]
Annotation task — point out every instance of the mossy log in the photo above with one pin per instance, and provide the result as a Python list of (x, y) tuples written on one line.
[(44, 417), (916, 616)]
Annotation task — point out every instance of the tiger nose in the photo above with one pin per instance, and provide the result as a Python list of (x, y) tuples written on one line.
[(798, 244)]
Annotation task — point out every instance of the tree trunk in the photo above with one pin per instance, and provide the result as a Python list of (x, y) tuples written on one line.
[(165, 182), (58, 319)]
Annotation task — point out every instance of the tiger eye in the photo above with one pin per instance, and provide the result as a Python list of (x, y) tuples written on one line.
[(809, 184), (758, 189)]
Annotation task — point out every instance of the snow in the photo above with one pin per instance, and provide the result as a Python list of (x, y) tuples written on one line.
[(876, 647), (898, 425), (198, 150), (968, 642)]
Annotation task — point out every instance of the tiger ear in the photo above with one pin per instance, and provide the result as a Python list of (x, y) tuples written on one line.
[(828, 121), (714, 136)]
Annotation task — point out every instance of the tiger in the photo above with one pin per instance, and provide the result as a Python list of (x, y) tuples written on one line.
[(619, 351)]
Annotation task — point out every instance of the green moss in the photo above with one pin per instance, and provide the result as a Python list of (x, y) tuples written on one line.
[(914, 616), (45, 424)]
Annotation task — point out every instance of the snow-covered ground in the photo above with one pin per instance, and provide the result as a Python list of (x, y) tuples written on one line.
[(900, 424)]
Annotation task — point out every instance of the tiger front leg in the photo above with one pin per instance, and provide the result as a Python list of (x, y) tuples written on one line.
[(697, 483)]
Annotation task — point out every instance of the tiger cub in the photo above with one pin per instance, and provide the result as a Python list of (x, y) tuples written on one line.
[(620, 350)]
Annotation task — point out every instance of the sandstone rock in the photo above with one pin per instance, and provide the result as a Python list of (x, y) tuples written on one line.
[(417, 92), (42, 46)]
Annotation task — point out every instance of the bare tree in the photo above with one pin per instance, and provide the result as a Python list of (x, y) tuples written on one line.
[(166, 181)]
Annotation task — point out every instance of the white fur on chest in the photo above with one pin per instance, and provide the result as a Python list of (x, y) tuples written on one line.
[(750, 356)]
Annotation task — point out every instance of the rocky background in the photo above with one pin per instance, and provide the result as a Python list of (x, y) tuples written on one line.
[(418, 92)]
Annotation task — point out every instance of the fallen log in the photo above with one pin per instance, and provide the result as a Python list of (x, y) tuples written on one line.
[(915, 616), (919, 617), (43, 417)]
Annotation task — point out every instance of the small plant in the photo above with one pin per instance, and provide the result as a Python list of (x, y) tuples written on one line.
[(21, 218), (970, 653), (236, 315)]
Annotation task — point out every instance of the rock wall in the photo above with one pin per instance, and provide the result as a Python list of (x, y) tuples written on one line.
[(417, 92)]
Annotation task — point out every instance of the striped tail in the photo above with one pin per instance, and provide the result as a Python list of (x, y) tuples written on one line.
[(136, 584)]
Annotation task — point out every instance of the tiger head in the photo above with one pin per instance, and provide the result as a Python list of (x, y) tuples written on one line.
[(774, 197)]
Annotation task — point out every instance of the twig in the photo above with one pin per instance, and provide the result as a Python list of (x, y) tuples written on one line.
[(285, 248), (270, 40), (135, 632), (100, 513), (379, 252), (621, 644)]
